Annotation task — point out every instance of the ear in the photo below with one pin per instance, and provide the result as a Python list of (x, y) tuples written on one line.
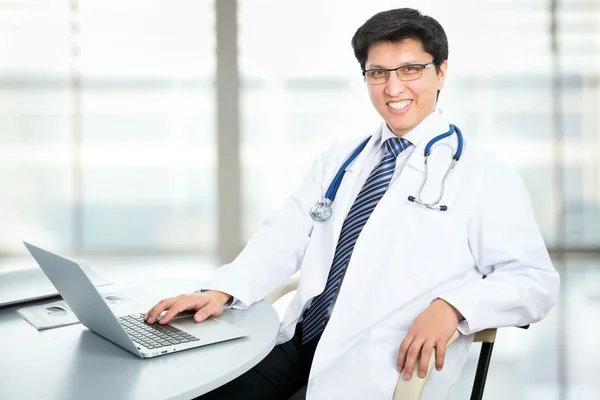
[(442, 74)]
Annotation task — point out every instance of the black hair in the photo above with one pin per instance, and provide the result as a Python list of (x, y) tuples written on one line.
[(396, 25)]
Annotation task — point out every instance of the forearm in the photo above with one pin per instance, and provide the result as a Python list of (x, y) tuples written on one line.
[(275, 251), (267, 261), (508, 297)]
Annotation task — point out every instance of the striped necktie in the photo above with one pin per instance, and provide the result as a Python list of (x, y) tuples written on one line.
[(317, 315)]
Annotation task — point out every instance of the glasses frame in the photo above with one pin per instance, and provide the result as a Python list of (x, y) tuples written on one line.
[(422, 66)]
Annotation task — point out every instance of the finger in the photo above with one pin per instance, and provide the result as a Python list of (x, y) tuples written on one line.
[(211, 308), (155, 311), (161, 306), (404, 346), (425, 357), (187, 303), (440, 355), (411, 357)]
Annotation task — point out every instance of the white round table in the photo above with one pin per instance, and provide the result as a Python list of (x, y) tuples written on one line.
[(73, 363)]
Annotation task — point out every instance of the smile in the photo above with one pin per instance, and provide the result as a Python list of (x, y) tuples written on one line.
[(399, 105)]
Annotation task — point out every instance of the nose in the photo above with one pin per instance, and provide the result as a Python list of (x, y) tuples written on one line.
[(394, 86)]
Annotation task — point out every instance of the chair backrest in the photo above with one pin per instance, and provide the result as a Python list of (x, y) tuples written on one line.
[(289, 286)]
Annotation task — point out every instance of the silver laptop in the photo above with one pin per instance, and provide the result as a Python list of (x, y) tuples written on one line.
[(130, 332)]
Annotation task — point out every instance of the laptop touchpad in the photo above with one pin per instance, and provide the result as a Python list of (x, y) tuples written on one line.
[(210, 330)]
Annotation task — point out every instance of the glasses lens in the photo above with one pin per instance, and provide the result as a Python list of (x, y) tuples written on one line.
[(377, 76), (410, 72)]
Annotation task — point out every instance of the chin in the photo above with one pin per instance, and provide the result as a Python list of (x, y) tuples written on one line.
[(402, 131), (402, 128)]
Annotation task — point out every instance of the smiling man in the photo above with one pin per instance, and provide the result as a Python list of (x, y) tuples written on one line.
[(406, 100), (384, 279)]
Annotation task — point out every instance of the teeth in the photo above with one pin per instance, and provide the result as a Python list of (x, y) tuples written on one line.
[(400, 105)]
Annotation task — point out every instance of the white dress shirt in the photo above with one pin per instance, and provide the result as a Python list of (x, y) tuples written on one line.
[(433, 122)]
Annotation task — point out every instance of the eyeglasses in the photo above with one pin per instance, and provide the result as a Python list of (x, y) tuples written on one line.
[(410, 72)]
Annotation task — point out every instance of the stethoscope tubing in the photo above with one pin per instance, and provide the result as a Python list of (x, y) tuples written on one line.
[(322, 210)]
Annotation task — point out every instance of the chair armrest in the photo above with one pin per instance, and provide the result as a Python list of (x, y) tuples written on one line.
[(485, 336), (413, 388), (289, 286)]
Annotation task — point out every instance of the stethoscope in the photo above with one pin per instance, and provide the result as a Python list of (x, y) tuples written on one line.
[(322, 210)]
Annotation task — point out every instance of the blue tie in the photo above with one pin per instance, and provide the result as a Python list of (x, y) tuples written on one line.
[(317, 315)]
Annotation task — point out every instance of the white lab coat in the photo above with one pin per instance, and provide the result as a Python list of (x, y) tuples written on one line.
[(405, 257)]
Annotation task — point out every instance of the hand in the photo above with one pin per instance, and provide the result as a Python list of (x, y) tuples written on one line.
[(433, 328), (205, 304)]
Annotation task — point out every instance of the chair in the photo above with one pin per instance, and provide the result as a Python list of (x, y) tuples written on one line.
[(413, 388)]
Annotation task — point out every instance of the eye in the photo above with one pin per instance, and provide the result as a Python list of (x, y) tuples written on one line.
[(378, 73)]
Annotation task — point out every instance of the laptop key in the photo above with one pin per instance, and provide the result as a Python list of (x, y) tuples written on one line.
[(154, 334)]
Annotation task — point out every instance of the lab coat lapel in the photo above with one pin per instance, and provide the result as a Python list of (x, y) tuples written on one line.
[(433, 129), (343, 200)]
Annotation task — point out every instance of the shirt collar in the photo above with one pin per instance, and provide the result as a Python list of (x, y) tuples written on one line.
[(432, 123)]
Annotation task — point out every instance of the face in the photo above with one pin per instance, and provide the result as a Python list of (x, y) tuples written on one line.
[(404, 104)]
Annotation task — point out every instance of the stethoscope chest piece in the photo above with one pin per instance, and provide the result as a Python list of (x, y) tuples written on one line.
[(322, 210)]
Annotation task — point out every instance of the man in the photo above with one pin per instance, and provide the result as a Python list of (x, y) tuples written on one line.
[(385, 279)]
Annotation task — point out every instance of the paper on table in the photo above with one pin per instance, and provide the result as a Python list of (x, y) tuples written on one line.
[(58, 313), (51, 315)]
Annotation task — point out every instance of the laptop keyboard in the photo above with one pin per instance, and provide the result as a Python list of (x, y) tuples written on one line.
[(153, 336)]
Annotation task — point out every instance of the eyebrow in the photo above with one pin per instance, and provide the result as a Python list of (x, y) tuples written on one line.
[(377, 66)]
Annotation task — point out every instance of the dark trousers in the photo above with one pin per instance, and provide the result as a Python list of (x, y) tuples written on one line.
[(282, 374)]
